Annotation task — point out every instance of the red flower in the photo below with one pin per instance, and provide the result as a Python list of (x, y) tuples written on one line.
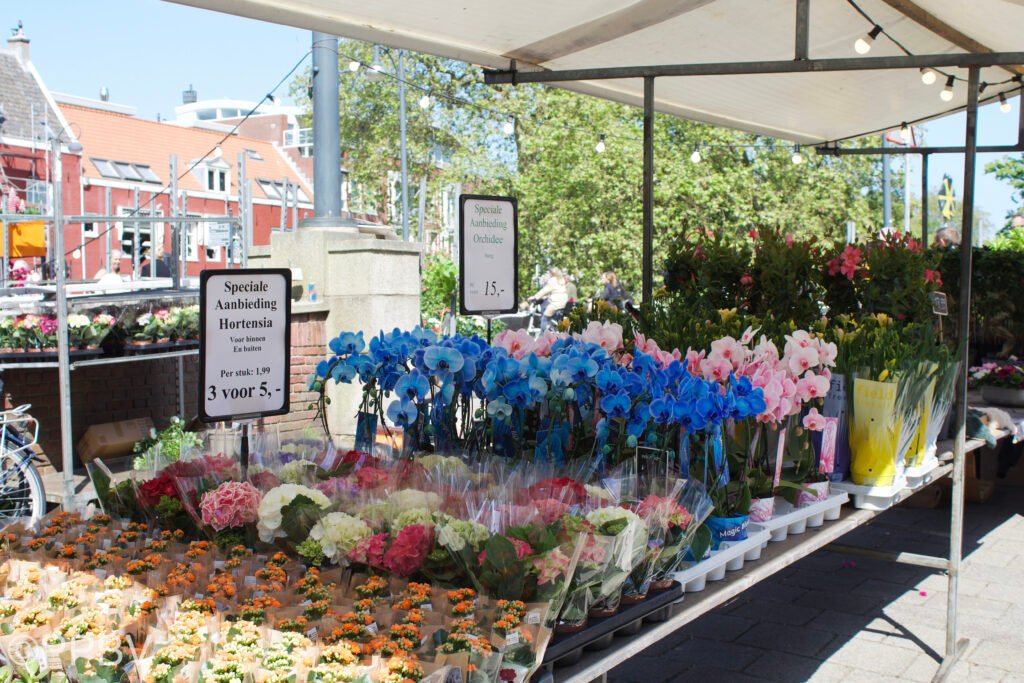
[(371, 478), (507, 674), (153, 490), (409, 550), (523, 550), (370, 551), (564, 489), (355, 457), (933, 276)]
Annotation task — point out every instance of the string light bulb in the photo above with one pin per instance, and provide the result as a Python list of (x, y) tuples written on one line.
[(599, 148), (863, 44), (695, 157), (905, 133), (1004, 106), (928, 76), (425, 101), (947, 92), (509, 127), (353, 66), (797, 157)]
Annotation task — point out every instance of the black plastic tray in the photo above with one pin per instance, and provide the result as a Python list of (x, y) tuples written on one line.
[(563, 645)]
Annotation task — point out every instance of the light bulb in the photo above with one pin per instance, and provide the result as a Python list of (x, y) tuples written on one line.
[(905, 133), (599, 148), (947, 92), (509, 127), (377, 67), (1004, 106), (863, 44), (797, 157), (695, 157), (928, 76), (76, 254), (424, 101), (353, 66)]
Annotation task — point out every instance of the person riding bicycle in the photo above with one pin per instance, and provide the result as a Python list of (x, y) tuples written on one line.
[(613, 292), (555, 295)]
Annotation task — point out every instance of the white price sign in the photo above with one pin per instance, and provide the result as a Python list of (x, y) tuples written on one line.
[(245, 343), (488, 254)]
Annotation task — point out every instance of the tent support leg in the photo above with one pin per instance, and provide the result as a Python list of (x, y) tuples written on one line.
[(953, 647), (648, 198), (924, 200)]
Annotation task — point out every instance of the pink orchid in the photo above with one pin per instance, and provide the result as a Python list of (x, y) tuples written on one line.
[(748, 335), (811, 386), (626, 360), (827, 352), (766, 351), (717, 369), (813, 420), (693, 361), (543, 343), (606, 335), (518, 343), (645, 345), (802, 360), (728, 349)]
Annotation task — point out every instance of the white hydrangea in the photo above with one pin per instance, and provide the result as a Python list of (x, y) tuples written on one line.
[(407, 499), (338, 533), (601, 517), (456, 533), (77, 321), (275, 500), (410, 517), (599, 493)]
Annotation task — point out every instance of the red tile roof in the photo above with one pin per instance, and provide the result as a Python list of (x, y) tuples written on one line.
[(117, 137)]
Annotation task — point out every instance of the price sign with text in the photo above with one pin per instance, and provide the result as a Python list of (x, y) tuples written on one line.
[(488, 255), (245, 343)]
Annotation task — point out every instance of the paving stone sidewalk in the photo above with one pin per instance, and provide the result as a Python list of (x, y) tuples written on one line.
[(834, 617)]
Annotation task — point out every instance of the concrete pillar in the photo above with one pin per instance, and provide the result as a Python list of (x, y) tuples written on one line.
[(366, 284)]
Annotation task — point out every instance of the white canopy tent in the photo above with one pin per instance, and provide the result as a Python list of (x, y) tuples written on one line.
[(782, 68), (580, 34)]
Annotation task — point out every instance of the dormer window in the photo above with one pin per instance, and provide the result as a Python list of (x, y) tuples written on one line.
[(215, 175), (216, 180)]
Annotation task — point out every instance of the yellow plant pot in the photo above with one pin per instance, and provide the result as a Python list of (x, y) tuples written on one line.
[(874, 434)]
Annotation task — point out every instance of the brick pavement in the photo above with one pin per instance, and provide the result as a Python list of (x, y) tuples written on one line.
[(833, 617)]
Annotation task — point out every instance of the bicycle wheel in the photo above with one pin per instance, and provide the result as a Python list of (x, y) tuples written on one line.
[(21, 487)]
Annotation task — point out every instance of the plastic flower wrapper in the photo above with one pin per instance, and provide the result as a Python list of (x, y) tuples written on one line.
[(592, 557), (686, 534), (625, 550), (334, 536), (289, 512), (197, 475)]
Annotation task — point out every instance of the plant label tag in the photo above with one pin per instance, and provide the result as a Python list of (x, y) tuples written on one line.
[(372, 628), (533, 617), (827, 462), (250, 581), (427, 607), (778, 457), (939, 304), (512, 638)]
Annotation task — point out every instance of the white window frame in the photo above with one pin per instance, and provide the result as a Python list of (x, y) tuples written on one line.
[(151, 229)]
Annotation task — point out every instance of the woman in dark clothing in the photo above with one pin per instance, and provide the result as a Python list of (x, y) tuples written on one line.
[(613, 292)]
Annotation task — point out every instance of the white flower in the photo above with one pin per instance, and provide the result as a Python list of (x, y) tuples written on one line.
[(599, 493), (143, 319), (338, 533), (77, 321), (275, 500), (606, 515), (406, 499), (457, 533), (410, 517)]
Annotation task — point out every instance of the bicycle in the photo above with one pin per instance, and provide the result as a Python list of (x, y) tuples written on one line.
[(21, 487)]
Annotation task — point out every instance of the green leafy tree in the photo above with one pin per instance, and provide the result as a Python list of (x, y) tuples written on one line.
[(1011, 170)]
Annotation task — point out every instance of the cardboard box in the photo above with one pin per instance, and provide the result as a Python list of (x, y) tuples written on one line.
[(113, 439)]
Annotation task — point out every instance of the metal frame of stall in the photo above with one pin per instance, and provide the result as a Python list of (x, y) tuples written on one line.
[(240, 237), (801, 63)]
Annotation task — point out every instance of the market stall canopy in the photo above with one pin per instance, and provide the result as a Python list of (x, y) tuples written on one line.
[(581, 34)]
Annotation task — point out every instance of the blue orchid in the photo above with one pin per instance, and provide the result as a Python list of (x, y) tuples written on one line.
[(517, 393), (413, 386), (343, 372), (615, 405), (402, 413), (441, 360), (499, 409), (423, 337), (662, 409), (638, 420), (609, 381), (347, 343)]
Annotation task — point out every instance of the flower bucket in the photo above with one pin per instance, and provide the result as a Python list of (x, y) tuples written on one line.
[(762, 509), (835, 406), (821, 490), (918, 446), (874, 434), (1003, 396), (727, 529)]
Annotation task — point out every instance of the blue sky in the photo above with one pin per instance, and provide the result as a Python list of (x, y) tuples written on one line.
[(146, 52)]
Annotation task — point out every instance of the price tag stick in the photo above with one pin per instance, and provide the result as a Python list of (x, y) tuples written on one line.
[(243, 449), (488, 330)]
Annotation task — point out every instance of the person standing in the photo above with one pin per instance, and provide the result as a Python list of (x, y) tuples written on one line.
[(554, 295)]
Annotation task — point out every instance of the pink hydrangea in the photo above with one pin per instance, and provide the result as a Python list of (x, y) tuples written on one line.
[(232, 504), (409, 550), (370, 551), (551, 566)]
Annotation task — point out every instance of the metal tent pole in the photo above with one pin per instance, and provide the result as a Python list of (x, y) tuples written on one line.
[(175, 228), (137, 240), (648, 192), (107, 230), (957, 520), (63, 359), (924, 199), (402, 151), (886, 187)]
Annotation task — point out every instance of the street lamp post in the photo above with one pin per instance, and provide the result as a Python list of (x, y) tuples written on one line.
[(375, 73)]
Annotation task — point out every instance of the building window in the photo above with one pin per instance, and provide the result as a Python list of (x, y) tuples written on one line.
[(147, 173), (89, 229), (270, 188), (37, 193), (216, 180), (190, 239), (133, 235), (105, 168), (127, 171)]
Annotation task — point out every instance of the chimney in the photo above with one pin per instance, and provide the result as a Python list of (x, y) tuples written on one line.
[(104, 94), (189, 96), (19, 43)]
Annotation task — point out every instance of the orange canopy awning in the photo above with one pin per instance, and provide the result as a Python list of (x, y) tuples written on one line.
[(27, 238)]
